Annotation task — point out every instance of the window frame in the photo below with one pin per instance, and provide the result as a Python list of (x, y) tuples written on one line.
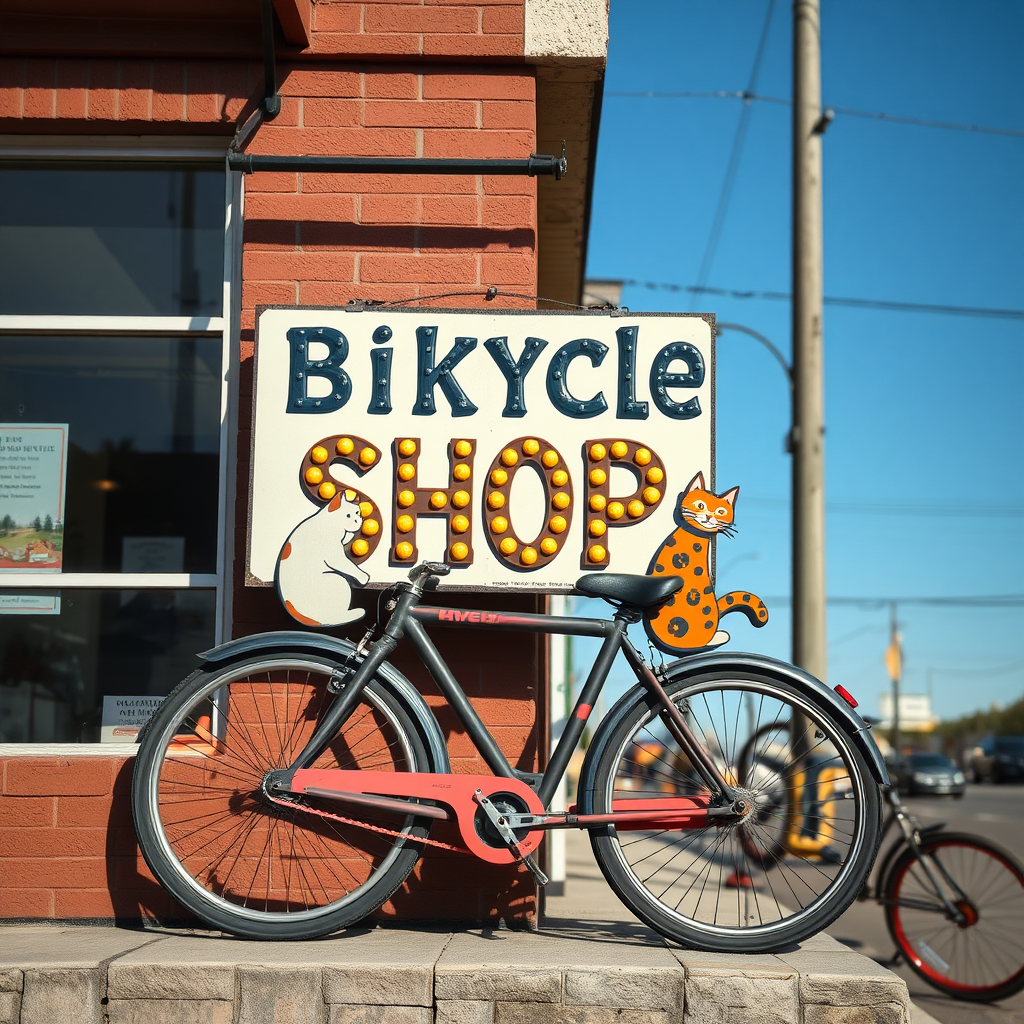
[(211, 151)]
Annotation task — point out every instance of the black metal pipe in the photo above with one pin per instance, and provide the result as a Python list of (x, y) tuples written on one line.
[(534, 166), (271, 100)]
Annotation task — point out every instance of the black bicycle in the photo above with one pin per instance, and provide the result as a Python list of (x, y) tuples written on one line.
[(954, 902), (288, 786)]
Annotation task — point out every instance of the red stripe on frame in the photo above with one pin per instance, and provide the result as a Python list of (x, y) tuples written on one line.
[(583, 711)]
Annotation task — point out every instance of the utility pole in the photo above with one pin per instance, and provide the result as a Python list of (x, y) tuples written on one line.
[(894, 663), (809, 621)]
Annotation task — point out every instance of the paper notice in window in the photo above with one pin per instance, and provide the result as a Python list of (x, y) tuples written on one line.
[(124, 717), (33, 474)]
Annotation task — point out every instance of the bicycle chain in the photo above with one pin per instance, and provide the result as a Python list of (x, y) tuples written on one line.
[(363, 824)]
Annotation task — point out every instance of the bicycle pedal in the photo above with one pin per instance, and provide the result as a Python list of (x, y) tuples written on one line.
[(534, 867)]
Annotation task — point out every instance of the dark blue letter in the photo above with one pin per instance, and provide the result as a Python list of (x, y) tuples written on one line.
[(629, 408), (515, 373), (661, 379), (429, 377), (330, 368), (380, 364), (558, 392)]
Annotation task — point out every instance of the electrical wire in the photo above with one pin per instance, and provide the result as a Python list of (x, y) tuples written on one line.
[(978, 601), (865, 508), (835, 300), (729, 181), (749, 96)]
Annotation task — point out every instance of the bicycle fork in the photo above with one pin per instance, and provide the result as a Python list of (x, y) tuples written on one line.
[(913, 840)]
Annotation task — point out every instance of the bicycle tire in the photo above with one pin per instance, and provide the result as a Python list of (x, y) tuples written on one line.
[(981, 960), (639, 864), (221, 848)]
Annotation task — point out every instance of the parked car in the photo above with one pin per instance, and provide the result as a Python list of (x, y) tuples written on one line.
[(998, 759), (919, 774)]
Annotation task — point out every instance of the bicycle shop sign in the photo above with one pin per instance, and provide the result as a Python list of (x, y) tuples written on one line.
[(520, 447)]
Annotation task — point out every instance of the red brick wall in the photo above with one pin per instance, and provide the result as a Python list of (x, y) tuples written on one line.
[(67, 845), (325, 239), (446, 28), (67, 849), (481, 30), (102, 95)]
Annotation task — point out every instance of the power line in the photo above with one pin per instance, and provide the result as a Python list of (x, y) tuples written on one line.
[(987, 312), (750, 96), (902, 509), (974, 601), (729, 181)]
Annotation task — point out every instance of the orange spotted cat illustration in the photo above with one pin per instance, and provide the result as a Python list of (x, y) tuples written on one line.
[(689, 619)]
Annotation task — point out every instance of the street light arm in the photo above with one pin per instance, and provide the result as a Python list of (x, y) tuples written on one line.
[(788, 440), (757, 336)]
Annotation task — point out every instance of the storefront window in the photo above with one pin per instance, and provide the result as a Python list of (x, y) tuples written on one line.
[(113, 362), (106, 239), (56, 669), (143, 418)]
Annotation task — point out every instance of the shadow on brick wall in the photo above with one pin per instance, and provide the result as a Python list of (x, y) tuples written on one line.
[(378, 237)]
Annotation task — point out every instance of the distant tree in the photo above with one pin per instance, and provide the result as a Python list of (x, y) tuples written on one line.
[(37, 524), (7, 523), (48, 523), (1007, 721)]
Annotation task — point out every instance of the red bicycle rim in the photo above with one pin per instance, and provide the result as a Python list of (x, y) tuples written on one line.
[(906, 945)]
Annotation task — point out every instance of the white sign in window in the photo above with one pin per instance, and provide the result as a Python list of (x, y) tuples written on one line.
[(123, 717), (33, 472)]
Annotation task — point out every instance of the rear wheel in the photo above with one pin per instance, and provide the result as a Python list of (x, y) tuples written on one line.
[(232, 855), (980, 957), (724, 886)]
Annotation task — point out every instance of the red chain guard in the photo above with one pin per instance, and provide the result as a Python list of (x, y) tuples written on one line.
[(455, 791)]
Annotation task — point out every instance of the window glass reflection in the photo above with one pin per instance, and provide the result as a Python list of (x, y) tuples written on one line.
[(144, 437), (106, 239), (55, 669)]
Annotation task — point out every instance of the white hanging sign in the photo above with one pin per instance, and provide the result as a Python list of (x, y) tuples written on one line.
[(522, 448)]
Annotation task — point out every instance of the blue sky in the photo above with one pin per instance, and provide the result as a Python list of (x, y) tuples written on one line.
[(924, 412)]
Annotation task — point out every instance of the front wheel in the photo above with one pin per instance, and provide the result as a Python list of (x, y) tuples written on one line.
[(224, 846), (726, 886), (981, 956)]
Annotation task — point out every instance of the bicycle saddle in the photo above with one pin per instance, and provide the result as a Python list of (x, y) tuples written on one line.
[(639, 591)]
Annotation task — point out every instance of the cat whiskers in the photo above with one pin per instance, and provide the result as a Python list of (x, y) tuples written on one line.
[(717, 527)]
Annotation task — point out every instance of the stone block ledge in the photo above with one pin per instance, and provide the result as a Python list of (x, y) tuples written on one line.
[(583, 974)]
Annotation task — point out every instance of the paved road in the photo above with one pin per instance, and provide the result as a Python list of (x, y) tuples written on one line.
[(996, 812)]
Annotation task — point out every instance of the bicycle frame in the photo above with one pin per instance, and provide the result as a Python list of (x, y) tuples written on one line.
[(910, 827), (407, 620)]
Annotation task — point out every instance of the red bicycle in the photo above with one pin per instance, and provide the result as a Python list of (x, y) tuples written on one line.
[(287, 787)]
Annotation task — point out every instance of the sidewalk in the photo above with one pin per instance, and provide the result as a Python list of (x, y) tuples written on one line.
[(591, 963)]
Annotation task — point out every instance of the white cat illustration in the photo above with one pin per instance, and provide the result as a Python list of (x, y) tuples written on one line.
[(314, 572)]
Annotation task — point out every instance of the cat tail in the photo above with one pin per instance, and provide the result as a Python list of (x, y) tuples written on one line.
[(740, 601)]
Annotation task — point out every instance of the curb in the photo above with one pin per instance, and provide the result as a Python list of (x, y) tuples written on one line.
[(96, 975)]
